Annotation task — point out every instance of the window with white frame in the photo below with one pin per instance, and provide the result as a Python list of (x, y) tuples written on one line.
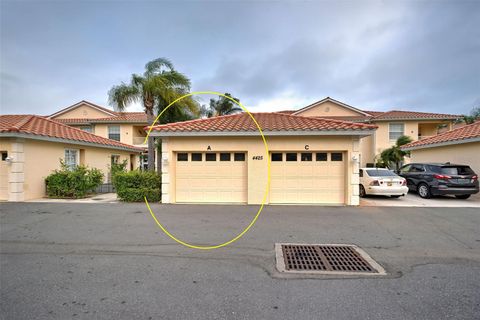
[(71, 158), (114, 133), (396, 130), (114, 159), (87, 128)]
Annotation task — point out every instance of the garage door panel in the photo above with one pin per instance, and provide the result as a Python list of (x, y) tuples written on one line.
[(307, 181), (211, 181)]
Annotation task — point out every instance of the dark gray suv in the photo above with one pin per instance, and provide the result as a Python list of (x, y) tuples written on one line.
[(431, 179)]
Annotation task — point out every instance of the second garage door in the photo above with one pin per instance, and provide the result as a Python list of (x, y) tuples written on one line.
[(307, 177), (219, 177)]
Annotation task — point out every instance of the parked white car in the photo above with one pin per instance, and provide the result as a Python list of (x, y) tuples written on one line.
[(380, 181)]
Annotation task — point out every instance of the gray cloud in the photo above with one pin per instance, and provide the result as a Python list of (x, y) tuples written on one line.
[(377, 55)]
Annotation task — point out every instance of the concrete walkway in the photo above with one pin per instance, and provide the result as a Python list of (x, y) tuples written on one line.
[(98, 198), (414, 200)]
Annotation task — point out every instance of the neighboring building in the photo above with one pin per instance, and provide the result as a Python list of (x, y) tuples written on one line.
[(223, 160), (31, 147), (459, 146), (125, 127), (391, 124)]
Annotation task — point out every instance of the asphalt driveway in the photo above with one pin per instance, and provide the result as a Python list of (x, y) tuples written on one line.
[(110, 261)]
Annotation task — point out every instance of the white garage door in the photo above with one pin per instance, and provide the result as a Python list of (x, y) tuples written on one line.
[(307, 177), (219, 177)]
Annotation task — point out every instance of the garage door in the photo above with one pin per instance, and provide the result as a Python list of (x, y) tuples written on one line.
[(307, 177), (211, 177)]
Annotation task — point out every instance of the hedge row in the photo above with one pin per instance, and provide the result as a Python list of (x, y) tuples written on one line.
[(73, 183), (134, 185)]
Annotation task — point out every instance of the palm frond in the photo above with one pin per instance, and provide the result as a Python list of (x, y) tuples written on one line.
[(122, 95), (157, 66)]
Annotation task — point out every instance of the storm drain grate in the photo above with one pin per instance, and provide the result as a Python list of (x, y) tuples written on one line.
[(325, 259)]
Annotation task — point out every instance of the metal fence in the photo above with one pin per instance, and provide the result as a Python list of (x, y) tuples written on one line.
[(105, 188)]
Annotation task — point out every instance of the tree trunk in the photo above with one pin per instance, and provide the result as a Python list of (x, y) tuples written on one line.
[(151, 145), (159, 156)]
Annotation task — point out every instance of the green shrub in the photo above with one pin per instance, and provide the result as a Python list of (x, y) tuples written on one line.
[(73, 183), (132, 186), (116, 168)]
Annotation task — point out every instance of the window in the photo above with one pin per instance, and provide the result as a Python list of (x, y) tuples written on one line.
[(336, 156), (306, 157), (417, 168), (211, 157), (321, 156), (4, 155), (225, 156), (291, 157), (196, 157), (381, 173), (87, 128), (396, 130), (71, 158), (277, 157), (405, 169), (239, 157), (114, 133), (182, 156), (454, 171), (114, 159)]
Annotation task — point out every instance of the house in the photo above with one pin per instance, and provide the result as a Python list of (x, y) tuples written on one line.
[(460, 146), (390, 125), (223, 159), (125, 127), (31, 147)]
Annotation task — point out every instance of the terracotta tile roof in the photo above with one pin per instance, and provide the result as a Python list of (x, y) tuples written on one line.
[(459, 135), (269, 122), (374, 113), (123, 117), (41, 126), (287, 111), (413, 115)]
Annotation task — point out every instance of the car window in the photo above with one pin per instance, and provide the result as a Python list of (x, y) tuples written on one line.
[(405, 169), (417, 168), (380, 173), (463, 170)]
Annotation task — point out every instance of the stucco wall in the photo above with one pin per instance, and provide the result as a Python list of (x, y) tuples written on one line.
[(83, 112), (5, 145), (34, 160), (328, 108), (466, 153), (257, 169), (126, 131)]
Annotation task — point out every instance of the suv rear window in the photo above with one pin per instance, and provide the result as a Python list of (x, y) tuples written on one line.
[(457, 170), (453, 170)]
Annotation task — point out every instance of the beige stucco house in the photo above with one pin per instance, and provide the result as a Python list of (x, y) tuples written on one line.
[(314, 153), (32, 146), (223, 160), (390, 124), (459, 146), (125, 127)]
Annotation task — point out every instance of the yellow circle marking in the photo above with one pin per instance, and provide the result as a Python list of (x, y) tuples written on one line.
[(266, 188)]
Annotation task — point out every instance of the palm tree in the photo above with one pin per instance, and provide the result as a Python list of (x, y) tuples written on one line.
[(221, 107), (394, 154), (159, 85)]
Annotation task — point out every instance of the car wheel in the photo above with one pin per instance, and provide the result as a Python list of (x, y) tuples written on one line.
[(396, 196), (462, 196), (362, 192), (424, 191)]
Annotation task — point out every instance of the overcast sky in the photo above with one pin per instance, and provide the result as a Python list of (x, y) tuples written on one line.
[(376, 55)]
